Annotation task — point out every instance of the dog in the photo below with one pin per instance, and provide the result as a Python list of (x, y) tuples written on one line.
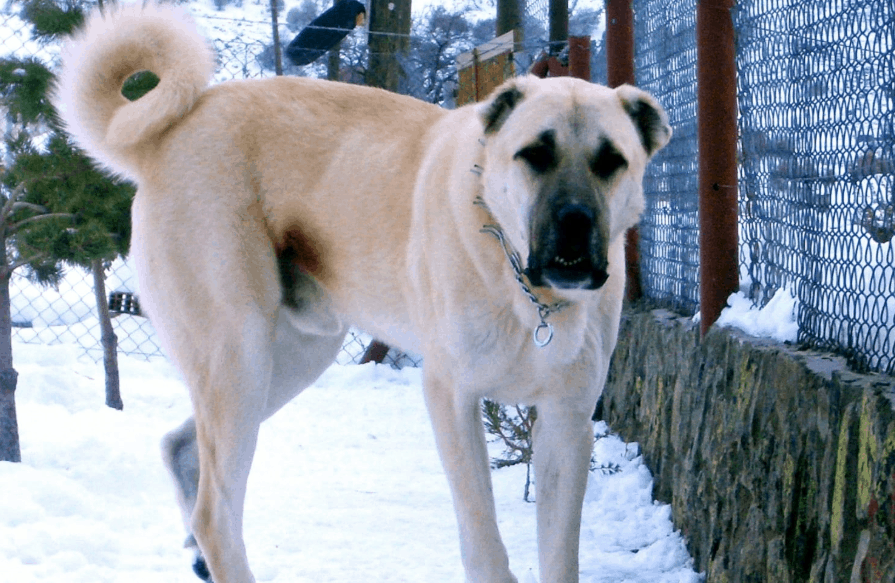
[(272, 214)]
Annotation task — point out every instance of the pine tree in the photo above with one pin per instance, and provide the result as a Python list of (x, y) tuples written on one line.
[(56, 208)]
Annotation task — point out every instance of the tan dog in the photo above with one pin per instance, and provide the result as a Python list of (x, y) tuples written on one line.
[(272, 214)]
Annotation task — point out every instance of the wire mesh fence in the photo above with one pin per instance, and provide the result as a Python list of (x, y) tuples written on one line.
[(816, 99), (67, 313), (665, 65), (817, 123)]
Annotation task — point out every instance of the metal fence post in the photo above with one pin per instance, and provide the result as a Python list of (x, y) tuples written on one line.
[(717, 138), (579, 57), (620, 70)]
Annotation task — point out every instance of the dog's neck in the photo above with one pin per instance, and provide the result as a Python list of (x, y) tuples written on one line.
[(543, 332)]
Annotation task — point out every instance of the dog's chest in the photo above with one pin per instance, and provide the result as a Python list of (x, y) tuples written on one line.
[(505, 362)]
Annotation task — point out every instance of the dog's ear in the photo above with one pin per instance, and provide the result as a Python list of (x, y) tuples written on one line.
[(648, 116), (497, 109)]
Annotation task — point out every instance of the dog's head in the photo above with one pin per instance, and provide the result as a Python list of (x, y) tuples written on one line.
[(564, 162)]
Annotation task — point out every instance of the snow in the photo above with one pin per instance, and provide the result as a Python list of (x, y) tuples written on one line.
[(346, 486), (778, 319)]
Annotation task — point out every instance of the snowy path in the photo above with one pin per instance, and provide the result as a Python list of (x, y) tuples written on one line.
[(346, 488)]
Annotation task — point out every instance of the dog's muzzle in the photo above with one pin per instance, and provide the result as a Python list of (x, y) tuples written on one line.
[(569, 249)]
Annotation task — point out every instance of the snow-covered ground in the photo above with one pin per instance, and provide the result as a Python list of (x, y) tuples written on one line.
[(346, 487)]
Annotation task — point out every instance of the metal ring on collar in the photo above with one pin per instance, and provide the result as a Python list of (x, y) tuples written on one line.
[(540, 340)]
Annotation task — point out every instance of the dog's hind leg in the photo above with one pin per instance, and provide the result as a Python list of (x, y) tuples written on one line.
[(229, 391), (180, 453), (298, 359)]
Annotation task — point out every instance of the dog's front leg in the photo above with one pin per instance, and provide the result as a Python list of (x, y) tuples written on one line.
[(460, 437), (563, 442)]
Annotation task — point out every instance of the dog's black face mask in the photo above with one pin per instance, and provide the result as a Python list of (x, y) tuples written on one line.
[(569, 221)]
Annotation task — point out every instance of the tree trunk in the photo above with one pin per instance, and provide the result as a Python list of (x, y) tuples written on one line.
[(277, 49), (509, 17), (334, 59), (559, 24), (109, 340), (9, 426)]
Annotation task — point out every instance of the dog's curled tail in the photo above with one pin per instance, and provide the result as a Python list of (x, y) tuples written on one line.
[(113, 45)]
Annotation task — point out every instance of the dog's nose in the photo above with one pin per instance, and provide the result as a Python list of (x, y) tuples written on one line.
[(574, 226), (575, 218)]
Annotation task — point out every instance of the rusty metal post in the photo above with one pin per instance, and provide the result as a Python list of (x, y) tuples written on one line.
[(620, 70), (619, 42), (579, 57), (717, 136)]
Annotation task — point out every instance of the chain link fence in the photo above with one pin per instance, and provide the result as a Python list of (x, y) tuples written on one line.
[(665, 65), (816, 98), (817, 124)]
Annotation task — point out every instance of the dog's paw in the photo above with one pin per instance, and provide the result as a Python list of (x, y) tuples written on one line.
[(201, 569)]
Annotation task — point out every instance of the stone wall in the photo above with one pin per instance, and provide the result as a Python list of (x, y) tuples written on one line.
[(779, 463)]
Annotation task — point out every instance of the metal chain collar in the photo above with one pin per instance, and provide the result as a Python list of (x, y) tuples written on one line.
[(543, 332)]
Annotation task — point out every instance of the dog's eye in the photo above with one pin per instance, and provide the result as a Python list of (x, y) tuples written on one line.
[(607, 161), (541, 157)]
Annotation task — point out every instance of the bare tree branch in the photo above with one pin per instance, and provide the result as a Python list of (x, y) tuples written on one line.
[(22, 262), (10, 203), (29, 206), (16, 227)]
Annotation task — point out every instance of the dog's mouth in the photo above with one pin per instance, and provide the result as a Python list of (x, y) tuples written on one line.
[(571, 253)]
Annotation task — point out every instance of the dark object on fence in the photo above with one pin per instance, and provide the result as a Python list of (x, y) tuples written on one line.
[(619, 71), (124, 303), (325, 32), (717, 131), (572, 61), (375, 352)]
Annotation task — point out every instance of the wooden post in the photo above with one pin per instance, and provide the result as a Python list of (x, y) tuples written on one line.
[(620, 71), (389, 34), (375, 352), (334, 59), (579, 57), (509, 17), (717, 135), (559, 24)]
